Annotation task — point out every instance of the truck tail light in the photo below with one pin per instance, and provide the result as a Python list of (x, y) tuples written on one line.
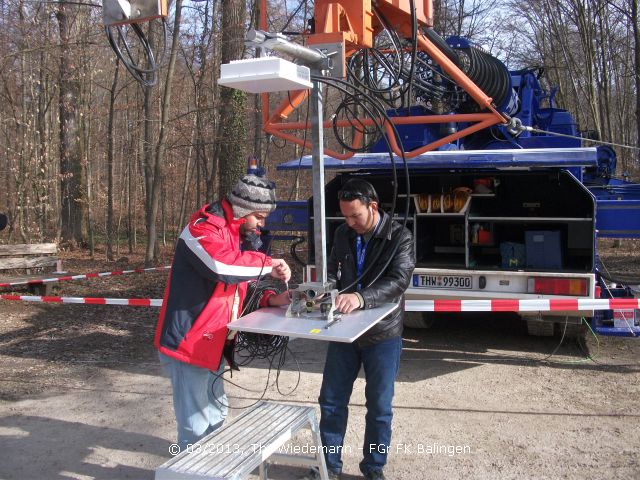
[(559, 286)]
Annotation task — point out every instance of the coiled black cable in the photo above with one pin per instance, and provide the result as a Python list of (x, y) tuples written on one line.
[(294, 254), (344, 86), (147, 77), (250, 347)]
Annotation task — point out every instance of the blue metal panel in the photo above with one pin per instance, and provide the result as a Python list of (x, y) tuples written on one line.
[(616, 190), (289, 217), (461, 160), (618, 331), (618, 218)]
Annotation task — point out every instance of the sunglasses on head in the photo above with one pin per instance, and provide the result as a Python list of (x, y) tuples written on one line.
[(351, 196)]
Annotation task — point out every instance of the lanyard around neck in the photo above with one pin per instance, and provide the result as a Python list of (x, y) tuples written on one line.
[(361, 251)]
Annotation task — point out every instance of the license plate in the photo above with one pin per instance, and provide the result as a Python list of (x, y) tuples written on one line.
[(442, 281)]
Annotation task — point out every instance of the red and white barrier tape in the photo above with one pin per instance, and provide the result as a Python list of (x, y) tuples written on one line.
[(501, 305), (529, 305), (131, 302), (83, 276)]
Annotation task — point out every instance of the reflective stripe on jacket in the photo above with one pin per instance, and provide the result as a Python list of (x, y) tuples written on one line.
[(207, 268)]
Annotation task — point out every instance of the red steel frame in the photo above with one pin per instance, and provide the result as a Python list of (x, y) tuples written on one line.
[(353, 23)]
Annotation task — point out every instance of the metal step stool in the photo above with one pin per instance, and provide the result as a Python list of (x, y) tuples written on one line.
[(249, 441)]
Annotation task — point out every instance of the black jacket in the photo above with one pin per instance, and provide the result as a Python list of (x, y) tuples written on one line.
[(390, 286)]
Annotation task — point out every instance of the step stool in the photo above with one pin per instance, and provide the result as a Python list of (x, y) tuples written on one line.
[(249, 441)]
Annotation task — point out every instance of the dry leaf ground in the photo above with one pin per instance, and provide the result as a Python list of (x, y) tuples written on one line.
[(82, 395)]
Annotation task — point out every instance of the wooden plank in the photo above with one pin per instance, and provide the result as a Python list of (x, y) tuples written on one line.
[(28, 249), (27, 262)]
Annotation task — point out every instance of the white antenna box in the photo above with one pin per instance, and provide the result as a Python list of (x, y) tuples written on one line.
[(265, 74)]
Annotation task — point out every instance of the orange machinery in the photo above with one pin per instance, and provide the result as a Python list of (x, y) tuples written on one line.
[(353, 24)]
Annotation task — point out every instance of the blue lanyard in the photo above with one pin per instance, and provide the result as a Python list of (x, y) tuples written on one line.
[(361, 252)]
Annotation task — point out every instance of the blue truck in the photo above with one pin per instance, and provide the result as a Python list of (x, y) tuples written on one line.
[(509, 212)]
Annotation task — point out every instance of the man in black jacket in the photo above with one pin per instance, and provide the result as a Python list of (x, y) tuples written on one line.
[(3, 221), (372, 260)]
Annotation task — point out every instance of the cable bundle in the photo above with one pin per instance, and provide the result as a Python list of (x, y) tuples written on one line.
[(255, 346), (147, 77)]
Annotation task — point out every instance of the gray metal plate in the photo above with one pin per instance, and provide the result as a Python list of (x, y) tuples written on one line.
[(273, 321)]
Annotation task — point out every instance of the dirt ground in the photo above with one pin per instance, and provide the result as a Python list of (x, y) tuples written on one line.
[(82, 394)]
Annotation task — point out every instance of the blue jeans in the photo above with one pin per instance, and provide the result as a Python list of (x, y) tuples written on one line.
[(199, 401), (381, 362)]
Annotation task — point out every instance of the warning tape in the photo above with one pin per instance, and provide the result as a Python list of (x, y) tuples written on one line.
[(496, 305), (131, 302), (65, 278), (529, 305)]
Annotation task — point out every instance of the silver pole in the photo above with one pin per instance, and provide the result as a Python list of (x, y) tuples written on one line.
[(317, 155), (279, 43)]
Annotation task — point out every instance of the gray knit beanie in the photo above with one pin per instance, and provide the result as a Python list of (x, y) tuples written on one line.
[(252, 194)]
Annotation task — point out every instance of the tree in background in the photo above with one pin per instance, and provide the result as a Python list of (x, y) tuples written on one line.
[(77, 158), (232, 131), (72, 198)]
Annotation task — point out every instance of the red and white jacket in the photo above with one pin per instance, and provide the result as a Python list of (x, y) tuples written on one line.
[(208, 268)]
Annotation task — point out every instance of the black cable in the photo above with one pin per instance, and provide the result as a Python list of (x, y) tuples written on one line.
[(295, 181), (392, 67), (275, 144), (298, 240), (346, 106), (621, 279), (251, 347), (414, 40), (583, 347), (343, 86), (147, 77), (139, 74), (371, 57)]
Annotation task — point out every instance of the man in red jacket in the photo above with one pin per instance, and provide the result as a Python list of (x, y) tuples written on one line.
[(205, 291)]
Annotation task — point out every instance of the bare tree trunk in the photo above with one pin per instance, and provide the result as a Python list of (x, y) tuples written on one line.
[(603, 82), (86, 156), (164, 214), (110, 140), (131, 195), (147, 151), (146, 147), (150, 256), (635, 20), (185, 185), (70, 161), (232, 130)]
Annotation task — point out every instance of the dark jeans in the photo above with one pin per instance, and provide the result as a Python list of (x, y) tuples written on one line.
[(380, 362)]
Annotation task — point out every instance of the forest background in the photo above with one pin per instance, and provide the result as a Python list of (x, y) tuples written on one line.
[(90, 156)]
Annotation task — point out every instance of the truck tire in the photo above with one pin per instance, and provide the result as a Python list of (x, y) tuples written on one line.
[(419, 319)]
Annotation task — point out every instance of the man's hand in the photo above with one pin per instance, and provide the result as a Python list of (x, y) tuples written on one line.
[(279, 300), (347, 302), (280, 269)]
